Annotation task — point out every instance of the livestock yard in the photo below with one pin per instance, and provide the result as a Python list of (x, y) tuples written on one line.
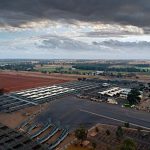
[(47, 109), (11, 139), (18, 100)]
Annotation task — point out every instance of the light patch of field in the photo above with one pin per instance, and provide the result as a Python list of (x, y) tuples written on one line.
[(52, 68), (13, 119), (120, 66), (139, 62), (143, 68), (73, 147)]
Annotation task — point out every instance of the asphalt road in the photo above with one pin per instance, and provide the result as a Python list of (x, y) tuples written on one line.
[(73, 111)]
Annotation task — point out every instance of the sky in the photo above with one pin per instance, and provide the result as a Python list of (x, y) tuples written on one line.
[(75, 29)]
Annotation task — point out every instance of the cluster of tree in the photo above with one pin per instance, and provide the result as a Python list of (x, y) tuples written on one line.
[(81, 133), (107, 67), (18, 67), (134, 96), (127, 69), (119, 133), (126, 124), (126, 144), (62, 72), (142, 65), (91, 66)]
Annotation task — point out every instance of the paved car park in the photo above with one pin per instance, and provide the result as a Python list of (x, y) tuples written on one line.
[(74, 111)]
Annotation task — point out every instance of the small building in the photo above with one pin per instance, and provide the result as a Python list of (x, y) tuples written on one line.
[(99, 72), (116, 91), (124, 93), (112, 101), (105, 84)]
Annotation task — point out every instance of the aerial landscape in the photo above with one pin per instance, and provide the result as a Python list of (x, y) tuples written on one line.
[(74, 75)]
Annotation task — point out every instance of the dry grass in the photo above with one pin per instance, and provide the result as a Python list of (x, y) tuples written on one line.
[(73, 147)]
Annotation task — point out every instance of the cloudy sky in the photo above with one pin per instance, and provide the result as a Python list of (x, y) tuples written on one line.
[(85, 29)]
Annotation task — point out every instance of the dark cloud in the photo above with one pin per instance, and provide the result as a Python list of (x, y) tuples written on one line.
[(108, 34), (132, 12)]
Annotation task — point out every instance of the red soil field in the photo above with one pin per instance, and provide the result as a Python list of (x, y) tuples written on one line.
[(15, 82)]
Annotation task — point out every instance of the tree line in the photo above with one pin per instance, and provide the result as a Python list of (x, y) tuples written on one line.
[(18, 67), (107, 67)]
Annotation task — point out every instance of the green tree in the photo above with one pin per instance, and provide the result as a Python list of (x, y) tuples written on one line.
[(94, 145), (119, 132), (126, 124), (107, 132), (128, 144), (81, 133), (133, 97), (96, 129)]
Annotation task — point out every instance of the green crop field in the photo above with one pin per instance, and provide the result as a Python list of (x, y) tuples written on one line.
[(64, 69)]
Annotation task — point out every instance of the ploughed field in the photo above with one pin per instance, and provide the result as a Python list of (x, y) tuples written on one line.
[(15, 82)]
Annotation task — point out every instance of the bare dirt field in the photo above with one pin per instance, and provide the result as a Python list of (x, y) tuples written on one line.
[(12, 120), (66, 77), (144, 105), (101, 137), (15, 81), (143, 78)]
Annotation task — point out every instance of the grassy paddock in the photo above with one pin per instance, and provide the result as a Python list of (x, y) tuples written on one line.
[(67, 69)]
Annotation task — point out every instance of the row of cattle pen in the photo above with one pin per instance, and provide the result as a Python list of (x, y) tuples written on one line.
[(43, 133), (31, 97)]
